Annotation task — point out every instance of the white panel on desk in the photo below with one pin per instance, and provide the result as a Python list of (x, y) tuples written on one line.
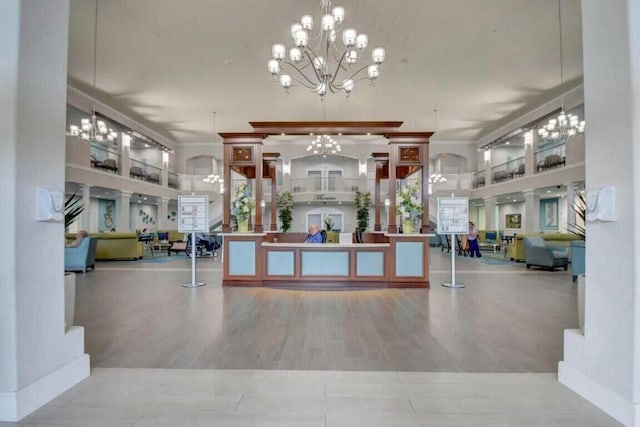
[(318, 263), (409, 259)]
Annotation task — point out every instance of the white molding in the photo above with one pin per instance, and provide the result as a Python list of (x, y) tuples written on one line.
[(607, 400), (14, 406)]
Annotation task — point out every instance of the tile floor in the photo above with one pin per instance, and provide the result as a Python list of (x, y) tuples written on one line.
[(117, 397)]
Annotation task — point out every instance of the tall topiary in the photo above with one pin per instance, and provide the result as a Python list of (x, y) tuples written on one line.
[(285, 210), (363, 204)]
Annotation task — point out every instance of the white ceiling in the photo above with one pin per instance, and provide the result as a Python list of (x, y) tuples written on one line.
[(172, 63)]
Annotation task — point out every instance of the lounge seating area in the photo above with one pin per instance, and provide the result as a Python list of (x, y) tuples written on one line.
[(81, 257), (107, 164), (516, 250), (539, 254), (551, 161)]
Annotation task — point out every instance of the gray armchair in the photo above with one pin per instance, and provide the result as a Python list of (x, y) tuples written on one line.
[(537, 253)]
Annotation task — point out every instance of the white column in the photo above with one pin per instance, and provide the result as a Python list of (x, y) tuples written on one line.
[(571, 214), (38, 359), (531, 142), (488, 176), (602, 363), (123, 211), (124, 144), (163, 212), (164, 173), (531, 211), (490, 213), (85, 220)]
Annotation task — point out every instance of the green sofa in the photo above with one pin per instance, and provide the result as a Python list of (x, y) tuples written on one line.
[(116, 246), (516, 251)]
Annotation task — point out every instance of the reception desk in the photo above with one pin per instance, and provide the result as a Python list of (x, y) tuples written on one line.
[(253, 259)]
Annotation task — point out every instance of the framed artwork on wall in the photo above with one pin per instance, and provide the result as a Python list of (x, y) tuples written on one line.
[(513, 221), (549, 214)]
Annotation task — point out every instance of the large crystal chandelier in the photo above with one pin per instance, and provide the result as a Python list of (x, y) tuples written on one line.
[(324, 66), (323, 145), (436, 178), (94, 130), (563, 127)]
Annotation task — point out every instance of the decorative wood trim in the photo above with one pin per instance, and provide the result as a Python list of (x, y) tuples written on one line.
[(242, 137), (408, 137), (329, 127)]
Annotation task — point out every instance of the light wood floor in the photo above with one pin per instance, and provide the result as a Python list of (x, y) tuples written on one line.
[(137, 315)]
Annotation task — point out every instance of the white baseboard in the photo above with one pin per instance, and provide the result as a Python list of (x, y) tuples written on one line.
[(17, 405), (610, 402)]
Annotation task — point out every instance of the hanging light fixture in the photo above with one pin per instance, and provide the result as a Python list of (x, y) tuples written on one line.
[(323, 145), (559, 129), (324, 67), (91, 129)]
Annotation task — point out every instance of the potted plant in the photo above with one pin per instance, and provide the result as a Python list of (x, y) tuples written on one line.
[(242, 206), (328, 223), (72, 209), (285, 210), (362, 201), (409, 207)]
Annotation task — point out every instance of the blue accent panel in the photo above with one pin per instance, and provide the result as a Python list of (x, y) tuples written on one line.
[(325, 263), (242, 258), (370, 264), (409, 259), (279, 263)]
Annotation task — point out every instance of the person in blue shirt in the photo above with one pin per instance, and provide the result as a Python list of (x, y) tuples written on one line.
[(314, 234)]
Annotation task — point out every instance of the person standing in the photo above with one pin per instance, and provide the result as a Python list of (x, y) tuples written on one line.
[(472, 239)]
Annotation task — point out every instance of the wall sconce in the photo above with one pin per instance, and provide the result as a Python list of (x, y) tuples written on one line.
[(487, 156), (165, 158), (263, 204), (528, 138), (362, 168), (286, 167), (387, 202), (126, 141)]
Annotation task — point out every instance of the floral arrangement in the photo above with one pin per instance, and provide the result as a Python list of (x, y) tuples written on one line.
[(408, 204), (243, 204), (328, 223)]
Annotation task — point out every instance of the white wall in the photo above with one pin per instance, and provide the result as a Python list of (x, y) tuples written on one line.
[(349, 216), (33, 83), (603, 364), (504, 154), (188, 151), (151, 156), (348, 165), (136, 219)]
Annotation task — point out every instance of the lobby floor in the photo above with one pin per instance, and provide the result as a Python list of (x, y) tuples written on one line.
[(118, 397), (507, 319), (435, 357)]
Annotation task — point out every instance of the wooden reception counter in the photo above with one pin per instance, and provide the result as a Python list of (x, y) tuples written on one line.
[(253, 259)]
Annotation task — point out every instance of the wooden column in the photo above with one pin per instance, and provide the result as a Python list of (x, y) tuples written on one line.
[(243, 154), (408, 151), (274, 196), (382, 171)]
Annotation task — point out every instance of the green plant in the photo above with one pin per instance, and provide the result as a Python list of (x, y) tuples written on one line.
[(285, 210), (328, 223), (408, 204), (363, 204), (243, 204), (579, 206), (73, 207)]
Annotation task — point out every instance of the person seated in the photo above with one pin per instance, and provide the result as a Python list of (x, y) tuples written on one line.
[(314, 235), (81, 235)]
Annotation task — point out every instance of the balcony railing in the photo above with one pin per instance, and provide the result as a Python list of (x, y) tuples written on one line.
[(104, 159), (145, 172), (315, 184), (507, 170), (550, 157), (478, 179), (173, 180)]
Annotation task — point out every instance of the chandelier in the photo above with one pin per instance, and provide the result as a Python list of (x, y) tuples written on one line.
[(324, 145), (212, 179), (318, 67), (563, 127), (94, 130), (436, 178)]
